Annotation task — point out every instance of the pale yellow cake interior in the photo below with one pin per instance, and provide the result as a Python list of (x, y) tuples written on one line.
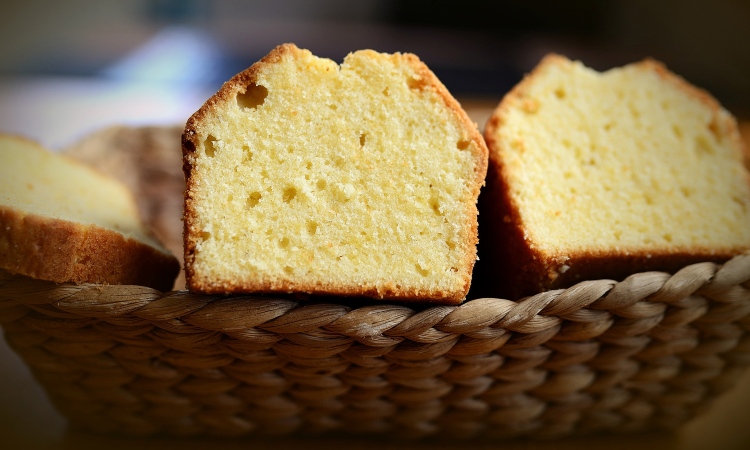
[(38, 182), (326, 174), (622, 159)]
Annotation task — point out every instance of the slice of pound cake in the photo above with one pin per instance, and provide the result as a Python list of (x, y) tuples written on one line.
[(62, 221), (148, 161), (599, 175), (358, 179)]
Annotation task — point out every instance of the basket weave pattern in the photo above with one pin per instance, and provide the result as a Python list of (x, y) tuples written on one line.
[(648, 352)]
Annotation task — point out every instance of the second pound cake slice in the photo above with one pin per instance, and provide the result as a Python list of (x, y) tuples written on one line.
[(62, 221), (599, 175), (357, 179)]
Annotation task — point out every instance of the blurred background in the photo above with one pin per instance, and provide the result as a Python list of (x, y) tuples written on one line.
[(70, 66)]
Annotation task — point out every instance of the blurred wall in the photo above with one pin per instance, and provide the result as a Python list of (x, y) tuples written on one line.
[(477, 47)]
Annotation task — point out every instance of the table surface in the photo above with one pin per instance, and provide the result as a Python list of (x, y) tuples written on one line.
[(28, 420)]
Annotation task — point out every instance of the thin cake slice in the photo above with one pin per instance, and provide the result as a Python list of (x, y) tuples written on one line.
[(359, 179), (62, 221), (599, 175)]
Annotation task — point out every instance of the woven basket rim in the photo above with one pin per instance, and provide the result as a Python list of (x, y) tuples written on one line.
[(646, 352), (95, 300)]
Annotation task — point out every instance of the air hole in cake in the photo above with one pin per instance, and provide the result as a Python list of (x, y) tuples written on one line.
[(421, 270), (288, 270), (284, 242), (451, 245), (362, 139), (703, 146), (308, 165), (253, 199), (435, 205), (686, 191), (210, 146), (739, 201), (713, 127), (342, 192), (247, 154), (608, 126), (677, 131), (321, 184), (289, 194), (312, 227), (386, 92), (667, 237), (333, 106), (253, 96), (560, 93), (463, 144), (416, 82), (205, 236), (634, 111)]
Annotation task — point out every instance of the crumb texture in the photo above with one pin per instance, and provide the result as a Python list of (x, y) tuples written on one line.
[(356, 177)]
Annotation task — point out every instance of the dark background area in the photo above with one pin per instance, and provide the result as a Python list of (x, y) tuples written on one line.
[(478, 48)]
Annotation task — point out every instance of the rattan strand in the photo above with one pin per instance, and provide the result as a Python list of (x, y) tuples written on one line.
[(644, 353)]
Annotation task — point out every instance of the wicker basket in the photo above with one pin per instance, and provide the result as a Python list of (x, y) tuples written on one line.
[(648, 352)]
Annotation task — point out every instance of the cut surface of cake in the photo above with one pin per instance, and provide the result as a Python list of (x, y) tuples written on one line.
[(599, 175), (62, 221), (357, 179)]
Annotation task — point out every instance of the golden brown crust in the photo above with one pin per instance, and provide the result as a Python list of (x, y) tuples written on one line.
[(237, 84), (513, 266), (63, 251)]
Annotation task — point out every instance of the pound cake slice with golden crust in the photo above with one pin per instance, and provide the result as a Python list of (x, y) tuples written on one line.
[(600, 175), (359, 179), (62, 221), (148, 161)]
